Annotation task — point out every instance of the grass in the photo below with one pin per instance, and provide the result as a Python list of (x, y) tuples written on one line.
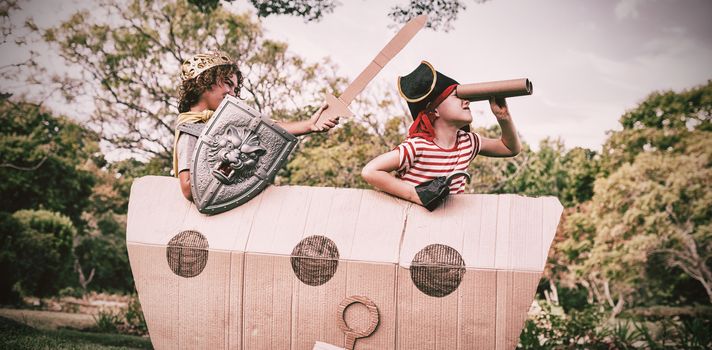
[(49, 320), (15, 335)]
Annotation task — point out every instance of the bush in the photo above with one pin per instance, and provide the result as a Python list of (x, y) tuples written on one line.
[(135, 322), (130, 321), (107, 321), (550, 330), (573, 298), (40, 247), (590, 329), (10, 230)]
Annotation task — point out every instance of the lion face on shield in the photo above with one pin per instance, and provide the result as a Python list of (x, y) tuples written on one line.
[(233, 155)]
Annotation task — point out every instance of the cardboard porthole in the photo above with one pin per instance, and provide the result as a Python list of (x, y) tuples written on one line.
[(437, 270), (315, 259), (187, 253)]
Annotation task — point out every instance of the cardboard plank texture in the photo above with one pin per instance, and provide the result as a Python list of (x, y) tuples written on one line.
[(301, 266)]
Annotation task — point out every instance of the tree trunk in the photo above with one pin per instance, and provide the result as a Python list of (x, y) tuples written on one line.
[(589, 292), (83, 281), (618, 308), (554, 292), (690, 261), (607, 291)]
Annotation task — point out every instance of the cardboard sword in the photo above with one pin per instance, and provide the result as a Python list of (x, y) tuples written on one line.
[(339, 106)]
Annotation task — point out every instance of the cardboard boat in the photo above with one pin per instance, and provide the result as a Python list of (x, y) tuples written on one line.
[(272, 273)]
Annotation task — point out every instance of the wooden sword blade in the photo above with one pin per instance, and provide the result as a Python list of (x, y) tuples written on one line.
[(397, 43)]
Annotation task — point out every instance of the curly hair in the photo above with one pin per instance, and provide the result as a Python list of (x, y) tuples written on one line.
[(191, 89)]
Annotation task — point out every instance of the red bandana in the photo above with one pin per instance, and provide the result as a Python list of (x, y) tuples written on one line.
[(423, 124)]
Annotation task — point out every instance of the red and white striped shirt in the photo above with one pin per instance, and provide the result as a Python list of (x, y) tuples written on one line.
[(422, 160)]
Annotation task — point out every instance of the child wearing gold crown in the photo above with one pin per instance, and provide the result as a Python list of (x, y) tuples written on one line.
[(206, 79), (432, 162)]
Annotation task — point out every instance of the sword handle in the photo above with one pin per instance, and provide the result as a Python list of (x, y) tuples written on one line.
[(337, 108)]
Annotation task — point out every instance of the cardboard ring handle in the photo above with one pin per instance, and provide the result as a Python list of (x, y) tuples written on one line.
[(373, 317)]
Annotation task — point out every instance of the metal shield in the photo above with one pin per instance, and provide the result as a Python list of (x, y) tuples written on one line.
[(237, 155)]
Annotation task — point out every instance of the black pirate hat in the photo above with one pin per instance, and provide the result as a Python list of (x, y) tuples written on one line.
[(422, 86)]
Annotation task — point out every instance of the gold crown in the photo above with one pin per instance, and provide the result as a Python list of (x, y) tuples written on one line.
[(201, 62)]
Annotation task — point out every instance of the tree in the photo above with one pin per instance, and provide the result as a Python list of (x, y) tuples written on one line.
[(663, 121), (570, 250), (310, 10), (492, 175), (660, 204), (5, 25), (335, 160), (582, 168), (50, 162), (544, 172), (550, 171), (10, 231), (442, 12), (41, 161), (12, 37), (43, 251), (130, 57), (642, 239), (106, 256), (101, 259)]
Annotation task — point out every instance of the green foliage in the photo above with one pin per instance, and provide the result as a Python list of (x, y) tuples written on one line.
[(102, 247), (10, 231), (310, 10), (544, 173), (575, 298), (206, 6), (6, 26), (42, 251), (550, 171), (334, 160), (41, 161), (106, 321), (660, 204), (580, 226), (577, 330), (492, 175), (694, 333), (590, 329), (129, 321), (645, 237), (582, 168), (441, 13), (19, 336), (107, 255), (114, 187), (664, 121), (553, 171), (135, 322)]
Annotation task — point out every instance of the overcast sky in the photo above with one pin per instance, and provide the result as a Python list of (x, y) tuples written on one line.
[(589, 61)]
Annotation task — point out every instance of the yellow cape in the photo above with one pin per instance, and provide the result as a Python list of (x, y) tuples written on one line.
[(187, 117)]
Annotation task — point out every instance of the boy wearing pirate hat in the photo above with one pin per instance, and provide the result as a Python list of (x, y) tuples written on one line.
[(206, 79), (432, 162)]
